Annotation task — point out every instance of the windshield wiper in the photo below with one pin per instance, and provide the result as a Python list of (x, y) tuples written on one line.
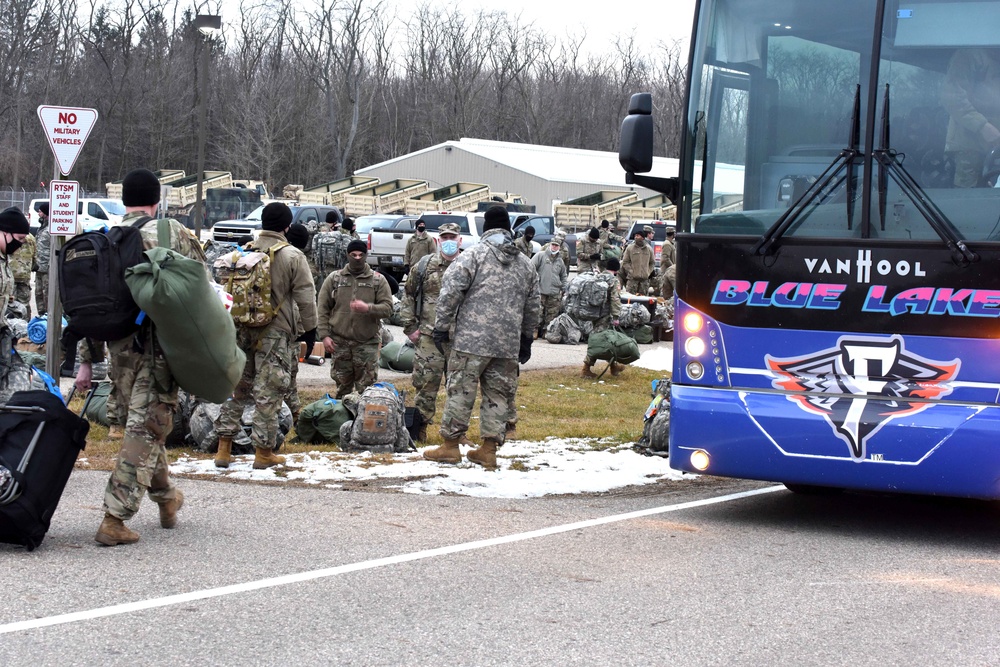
[(844, 162), (888, 160)]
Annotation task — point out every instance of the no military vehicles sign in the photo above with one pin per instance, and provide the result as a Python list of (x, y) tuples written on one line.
[(67, 129)]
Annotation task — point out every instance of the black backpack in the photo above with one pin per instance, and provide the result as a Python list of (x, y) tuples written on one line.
[(92, 287)]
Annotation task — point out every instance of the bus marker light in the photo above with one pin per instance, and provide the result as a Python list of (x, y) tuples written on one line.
[(700, 460), (695, 370), (693, 322), (694, 346)]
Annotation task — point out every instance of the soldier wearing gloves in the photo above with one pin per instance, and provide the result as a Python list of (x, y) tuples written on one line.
[(490, 297)]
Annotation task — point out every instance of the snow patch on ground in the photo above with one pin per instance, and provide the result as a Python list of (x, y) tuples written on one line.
[(656, 359), (526, 470)]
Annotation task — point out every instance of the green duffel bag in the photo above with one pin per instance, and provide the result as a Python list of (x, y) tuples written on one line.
[(192, 326), (611, 252), (397, 356), (611, 345), (320, 421), (97, 406), (642, 335)]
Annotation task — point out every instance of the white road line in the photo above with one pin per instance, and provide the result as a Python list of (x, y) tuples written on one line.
[(364, 565)]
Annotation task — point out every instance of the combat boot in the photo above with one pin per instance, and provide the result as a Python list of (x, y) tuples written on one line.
[(116, 431), (265, 458), (224, 456), (486, 454), (510, 431), (168, 510), (113, 531), (586, 372), (617, 369), (448, 452)]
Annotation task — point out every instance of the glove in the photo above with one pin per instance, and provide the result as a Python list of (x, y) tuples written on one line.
[(525, 352), (440, 338), (309, 338), (595, 256)]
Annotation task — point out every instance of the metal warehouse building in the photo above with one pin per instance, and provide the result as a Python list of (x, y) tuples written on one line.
[(542, 175)]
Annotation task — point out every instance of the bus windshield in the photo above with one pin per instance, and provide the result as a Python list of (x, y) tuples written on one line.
[(793, 107)]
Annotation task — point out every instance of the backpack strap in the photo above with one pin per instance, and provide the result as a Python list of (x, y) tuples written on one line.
[(163, 233)]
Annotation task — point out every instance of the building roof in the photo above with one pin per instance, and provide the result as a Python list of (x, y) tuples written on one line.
[(551, 163)]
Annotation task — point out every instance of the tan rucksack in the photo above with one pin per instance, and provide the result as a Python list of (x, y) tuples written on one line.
[(246, 275)]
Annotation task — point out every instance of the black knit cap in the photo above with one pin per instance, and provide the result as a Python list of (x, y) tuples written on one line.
[(44, 207), (614, 265), (594, 233), (276, 217), (357, 246), (298, 236), (332, 217), (140, 187), (347, 224), (13, 221), (496, 217)]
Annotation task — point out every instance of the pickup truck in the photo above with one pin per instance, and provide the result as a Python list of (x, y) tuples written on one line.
[(246, 230), (545, 229), (386, 236)]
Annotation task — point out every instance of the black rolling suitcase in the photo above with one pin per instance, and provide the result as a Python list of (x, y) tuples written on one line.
[(39, 442)]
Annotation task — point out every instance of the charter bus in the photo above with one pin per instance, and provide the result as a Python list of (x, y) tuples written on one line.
[(837, 318)]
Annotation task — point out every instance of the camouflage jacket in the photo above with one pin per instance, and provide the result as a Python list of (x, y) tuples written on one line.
[(292, 288), (417, 248), (585, 247), (490, 295), (6, 283), (430, 287), (608, 237), (22, 261), (42, 249), (335, 315), (524, 245)]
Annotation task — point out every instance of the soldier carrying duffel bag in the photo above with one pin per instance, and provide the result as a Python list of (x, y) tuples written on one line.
[(614, 347)]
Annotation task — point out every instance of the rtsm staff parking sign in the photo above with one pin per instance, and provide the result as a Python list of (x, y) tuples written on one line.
[(63, 199)]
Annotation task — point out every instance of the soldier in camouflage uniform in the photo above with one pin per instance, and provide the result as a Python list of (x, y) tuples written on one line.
[(608, 236), (419, 301), (42, 261), (14, 229), (418, 246), (352, 303), (298, 236), (668, 270), (147, 387), (560, 238), (523, 242), (490, 297), (21, 264), (637, 261), (588, 251), (612, 308), (269, 348), (552, 278), (347, 227)]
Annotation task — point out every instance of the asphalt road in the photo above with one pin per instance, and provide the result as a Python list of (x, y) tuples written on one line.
[(765, 579)]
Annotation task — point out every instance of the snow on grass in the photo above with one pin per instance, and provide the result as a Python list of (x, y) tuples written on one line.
[(656, 359), (526, 469)]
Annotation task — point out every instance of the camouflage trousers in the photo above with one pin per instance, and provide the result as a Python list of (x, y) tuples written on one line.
[(41, 293), (636, 286), (428, 368), (354, 365), (496, 380), (22, 293), (264, 381), (146, 386), (551, 304)]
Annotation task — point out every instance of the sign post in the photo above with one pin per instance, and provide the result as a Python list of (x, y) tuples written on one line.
[(67, 130)]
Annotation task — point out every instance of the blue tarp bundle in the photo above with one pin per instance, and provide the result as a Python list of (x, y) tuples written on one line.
[(38, 329)]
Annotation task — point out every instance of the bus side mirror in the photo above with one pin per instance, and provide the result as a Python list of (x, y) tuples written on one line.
[(635, 149)]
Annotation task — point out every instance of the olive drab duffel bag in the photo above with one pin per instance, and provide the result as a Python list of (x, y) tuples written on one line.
[(320, 421), (612, 346), (397, 356), (191, 324)]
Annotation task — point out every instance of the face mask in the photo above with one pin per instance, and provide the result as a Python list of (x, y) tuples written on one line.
[(356, 266), (13, 245), (640, 242), (420, 229), (553, 251), (449, 248)]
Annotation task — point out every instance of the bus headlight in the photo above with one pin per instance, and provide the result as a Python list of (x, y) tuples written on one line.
[(700, 460), (695, 370), (694, 346), (693, 322)]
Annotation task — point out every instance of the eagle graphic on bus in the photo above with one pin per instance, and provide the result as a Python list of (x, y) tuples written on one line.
[(862, 383)]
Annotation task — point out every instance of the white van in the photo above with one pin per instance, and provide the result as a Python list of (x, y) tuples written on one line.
[(95, 213)]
